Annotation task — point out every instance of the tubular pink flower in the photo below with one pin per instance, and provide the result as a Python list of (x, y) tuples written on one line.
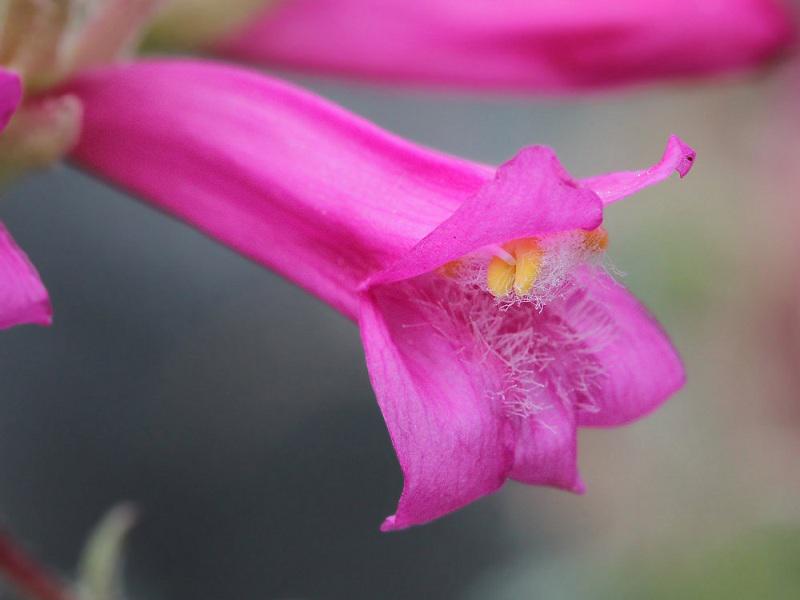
[(23, 297), (547, 45), (474, 389)]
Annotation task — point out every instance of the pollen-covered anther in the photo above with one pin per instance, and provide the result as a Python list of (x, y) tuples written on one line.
[(596, 240), (503, 276), (529, 256), (500, 277)]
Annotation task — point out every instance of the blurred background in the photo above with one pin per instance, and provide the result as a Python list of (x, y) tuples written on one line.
[(236, 411)]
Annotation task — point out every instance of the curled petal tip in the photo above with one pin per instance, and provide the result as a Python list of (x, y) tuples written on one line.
[(683, 155), (45, 313), (678, 156)]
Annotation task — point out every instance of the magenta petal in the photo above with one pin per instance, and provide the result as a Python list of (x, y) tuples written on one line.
[(641, 368), (530, 195), (286, 178), (454, 446), (678, 158), (23, 297), (539, 45), (10, 95), (547, 449)]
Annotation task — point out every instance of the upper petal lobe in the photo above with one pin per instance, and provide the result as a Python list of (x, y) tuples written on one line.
[(531, 195)]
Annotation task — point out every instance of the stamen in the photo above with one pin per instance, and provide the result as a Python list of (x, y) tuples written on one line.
[(596, 240), (519, 273), (500, 277), (528, 270), (503, 254), (529, 261)]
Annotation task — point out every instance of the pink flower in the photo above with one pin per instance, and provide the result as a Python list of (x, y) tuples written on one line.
[(44, 43), (546, 45), (23, 298), (491, 330)]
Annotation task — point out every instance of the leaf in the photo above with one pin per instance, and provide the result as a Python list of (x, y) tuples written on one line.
[(100, 567)]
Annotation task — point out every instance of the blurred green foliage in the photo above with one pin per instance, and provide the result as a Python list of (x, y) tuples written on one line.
[(100, 568), (763, 564)]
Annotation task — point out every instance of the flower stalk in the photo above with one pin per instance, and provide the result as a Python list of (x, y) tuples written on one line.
[(27, 575)]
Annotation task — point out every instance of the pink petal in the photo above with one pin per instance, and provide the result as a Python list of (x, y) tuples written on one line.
[(678, 157), (10, 95), (541, 45), (453, 445), (530, 195), (23, 297), (282, 176), (547, 450), (641, 367)]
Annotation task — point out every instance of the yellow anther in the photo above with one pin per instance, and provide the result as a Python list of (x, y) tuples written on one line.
[(500, 277), (520, 266), (596, 239), (529, 260), (503, 277)]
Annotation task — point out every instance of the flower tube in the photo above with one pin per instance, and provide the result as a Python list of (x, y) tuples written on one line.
[(542, 46), (490, 328)]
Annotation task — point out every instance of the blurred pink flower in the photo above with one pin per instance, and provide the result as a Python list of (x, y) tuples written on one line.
[(23, 298), (44, 43), (10, 95), (490, 329), (547, 45)]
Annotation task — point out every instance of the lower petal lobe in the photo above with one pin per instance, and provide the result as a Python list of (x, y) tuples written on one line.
[(641, 367), (23, 297), (453, 445)]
